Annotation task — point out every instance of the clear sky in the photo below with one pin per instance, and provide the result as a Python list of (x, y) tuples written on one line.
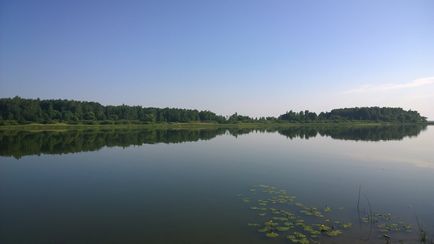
[(256, 57)]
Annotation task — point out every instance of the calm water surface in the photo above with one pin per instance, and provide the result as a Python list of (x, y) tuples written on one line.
[(141, 186)]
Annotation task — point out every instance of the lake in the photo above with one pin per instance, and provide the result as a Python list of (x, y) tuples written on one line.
[(330, 184)]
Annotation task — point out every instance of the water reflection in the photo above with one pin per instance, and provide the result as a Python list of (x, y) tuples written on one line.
[(22, 143), (361, 133)]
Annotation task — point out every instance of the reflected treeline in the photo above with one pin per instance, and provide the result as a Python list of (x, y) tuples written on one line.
[(22, 143), (356, 133)]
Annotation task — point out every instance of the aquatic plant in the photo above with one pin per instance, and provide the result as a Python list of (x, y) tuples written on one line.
[(347, 225), (283, 214), (279, 212), (283, 228), (334, 233), (384, 223), (423, 235), (272, 235), (298, 237)]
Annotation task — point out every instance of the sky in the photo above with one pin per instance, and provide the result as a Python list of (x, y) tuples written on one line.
[(254, 57)]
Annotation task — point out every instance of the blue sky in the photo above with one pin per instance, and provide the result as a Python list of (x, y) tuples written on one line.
[(250, 56)]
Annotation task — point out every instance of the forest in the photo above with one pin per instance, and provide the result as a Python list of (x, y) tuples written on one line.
[(19, 110), (377, 114)]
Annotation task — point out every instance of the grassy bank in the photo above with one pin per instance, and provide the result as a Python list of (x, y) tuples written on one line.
[(65, 126)]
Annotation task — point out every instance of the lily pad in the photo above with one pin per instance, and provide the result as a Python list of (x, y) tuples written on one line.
[(264, 229), (347, 225), (272, 235), (283, 228), (334, 233), (253, 224)]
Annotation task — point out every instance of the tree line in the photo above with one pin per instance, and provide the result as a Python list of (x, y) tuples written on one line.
[(19, 110), (379, 114)]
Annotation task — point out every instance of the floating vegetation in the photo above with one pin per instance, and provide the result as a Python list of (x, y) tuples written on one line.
[(280, 213), (253, 224), (347, 225), (246, 199), (284, 228), (272, 234), (282, 216), (385, 224), (298, 237), (334, 233)]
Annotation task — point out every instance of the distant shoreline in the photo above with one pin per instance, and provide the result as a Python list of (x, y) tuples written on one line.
[(19, 111), (193, 125)]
